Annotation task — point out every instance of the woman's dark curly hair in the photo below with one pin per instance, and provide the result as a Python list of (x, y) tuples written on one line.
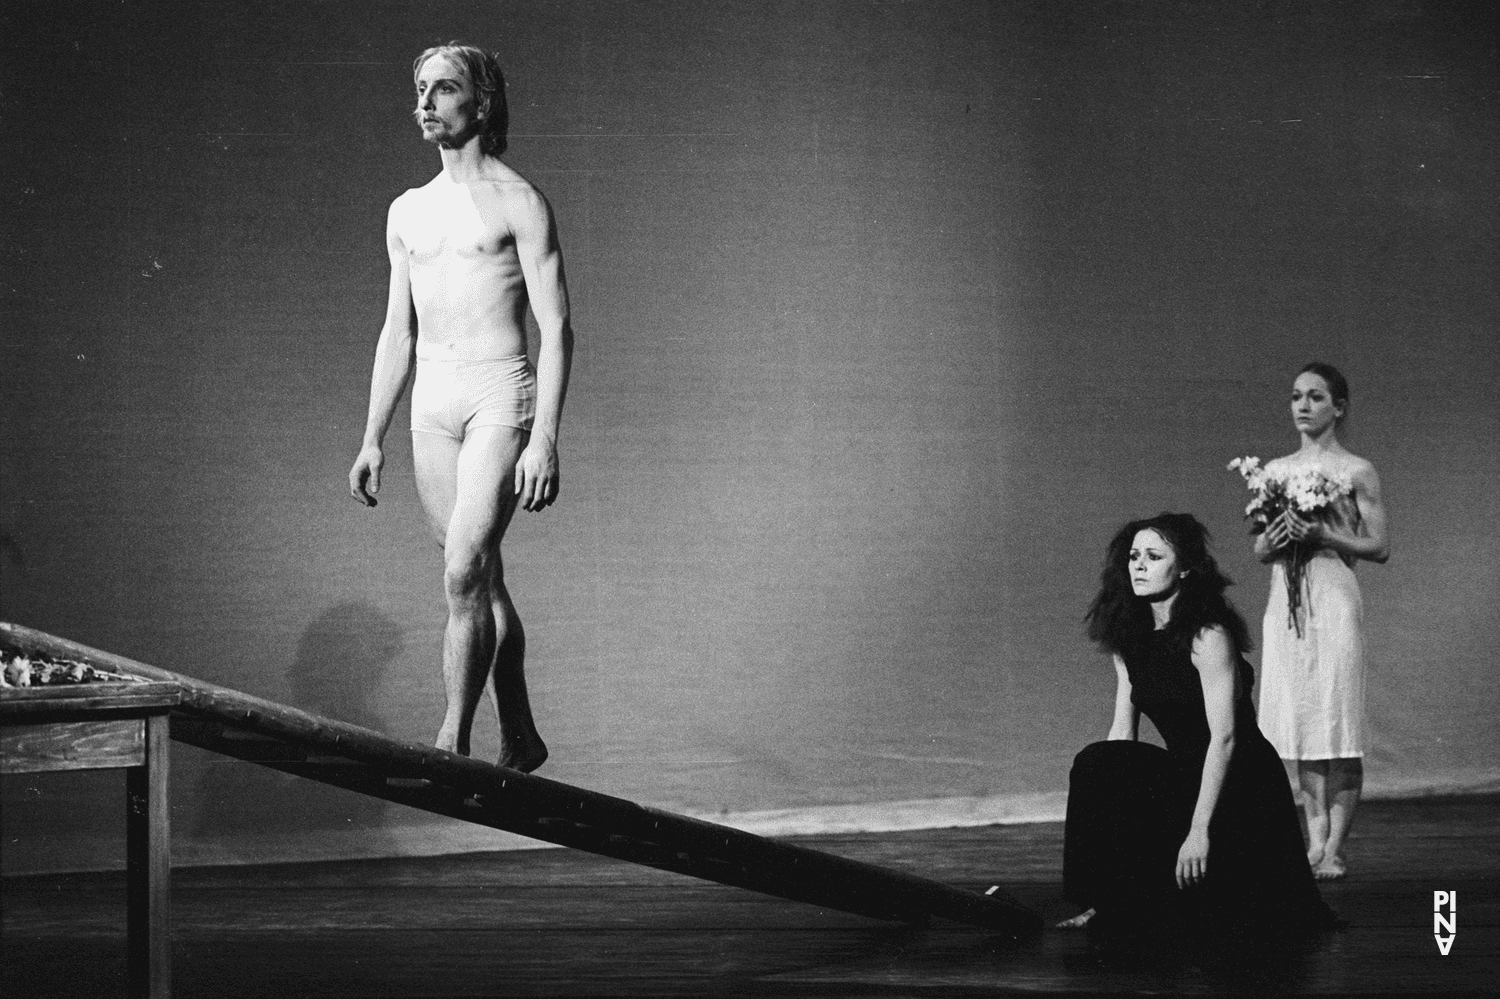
[(1119, 620)]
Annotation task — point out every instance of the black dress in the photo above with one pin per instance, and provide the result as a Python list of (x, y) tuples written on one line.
[(1130, 805)]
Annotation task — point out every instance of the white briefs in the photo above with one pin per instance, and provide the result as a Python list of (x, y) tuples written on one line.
[(451, 397)]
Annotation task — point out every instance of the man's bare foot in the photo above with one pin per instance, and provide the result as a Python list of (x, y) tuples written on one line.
[(447, 740), (1314, 856), (1078, 922), (1331, 869), (524, 758)]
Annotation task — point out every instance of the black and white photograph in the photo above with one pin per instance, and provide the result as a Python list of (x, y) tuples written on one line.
[(807, 498)]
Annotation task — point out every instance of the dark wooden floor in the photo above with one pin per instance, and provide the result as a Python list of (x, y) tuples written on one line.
[(558, 923)]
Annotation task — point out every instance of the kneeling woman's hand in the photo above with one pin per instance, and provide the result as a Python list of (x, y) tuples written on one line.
[(1192, 859)]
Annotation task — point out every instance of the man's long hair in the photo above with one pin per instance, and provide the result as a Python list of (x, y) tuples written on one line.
[(483, 71), (1119, 620)]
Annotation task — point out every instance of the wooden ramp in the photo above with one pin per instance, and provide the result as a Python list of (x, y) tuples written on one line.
[(322, 749)]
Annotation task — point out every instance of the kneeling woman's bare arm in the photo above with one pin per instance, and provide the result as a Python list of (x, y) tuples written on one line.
[(1127, 723), (1215, 658)]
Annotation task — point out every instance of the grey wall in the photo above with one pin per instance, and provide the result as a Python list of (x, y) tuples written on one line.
[(889, 314)]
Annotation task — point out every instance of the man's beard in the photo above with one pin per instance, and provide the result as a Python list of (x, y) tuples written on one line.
[(445, 136)]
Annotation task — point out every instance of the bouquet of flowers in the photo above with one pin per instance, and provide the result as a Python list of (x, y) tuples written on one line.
[(1310, 494)]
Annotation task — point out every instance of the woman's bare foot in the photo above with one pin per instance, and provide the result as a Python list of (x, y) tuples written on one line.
[(1331, 869), (1315, 856), (1078, 922)]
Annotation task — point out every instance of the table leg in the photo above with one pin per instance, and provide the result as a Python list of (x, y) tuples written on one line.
[(148, 869)]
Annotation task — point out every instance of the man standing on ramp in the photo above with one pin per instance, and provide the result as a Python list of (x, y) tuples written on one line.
[(469, 252)]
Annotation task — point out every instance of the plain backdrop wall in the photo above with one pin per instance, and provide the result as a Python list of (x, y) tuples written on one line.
[(888, 314)]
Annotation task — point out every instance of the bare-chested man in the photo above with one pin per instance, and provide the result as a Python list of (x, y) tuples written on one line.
[(469, 251)]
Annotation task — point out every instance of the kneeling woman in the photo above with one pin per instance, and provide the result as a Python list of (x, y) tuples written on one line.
[(1200, 837)]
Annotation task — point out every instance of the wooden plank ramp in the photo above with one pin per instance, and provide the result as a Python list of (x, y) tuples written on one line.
[(337, 753)]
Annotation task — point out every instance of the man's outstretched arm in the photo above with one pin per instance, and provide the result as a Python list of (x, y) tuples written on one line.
[(393, 364), (537, 476)]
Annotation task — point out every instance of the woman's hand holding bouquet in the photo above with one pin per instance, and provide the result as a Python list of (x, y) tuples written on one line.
[(1290, 509)]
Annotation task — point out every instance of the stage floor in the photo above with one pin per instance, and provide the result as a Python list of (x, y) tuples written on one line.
[(560, 923)]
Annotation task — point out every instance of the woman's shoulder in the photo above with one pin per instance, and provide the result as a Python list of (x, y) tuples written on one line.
[(1351, 469), (1339, 463), (1212, 634), (1354, 465), (1214, 644), (1217, 625), (1287, 464)]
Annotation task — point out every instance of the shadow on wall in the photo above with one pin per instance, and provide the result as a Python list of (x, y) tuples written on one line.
[(244, 809), (12, 560), (10, 551)]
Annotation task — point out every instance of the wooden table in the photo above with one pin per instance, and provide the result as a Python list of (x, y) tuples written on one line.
[(95, 726)]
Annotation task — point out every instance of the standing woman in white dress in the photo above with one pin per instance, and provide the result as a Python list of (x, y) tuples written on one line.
[(1312, 695)]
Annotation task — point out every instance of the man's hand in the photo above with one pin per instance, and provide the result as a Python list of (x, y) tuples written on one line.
[(537, 478), (364, 477)]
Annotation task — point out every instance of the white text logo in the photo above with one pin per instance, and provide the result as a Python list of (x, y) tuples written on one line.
[(1444, 924)]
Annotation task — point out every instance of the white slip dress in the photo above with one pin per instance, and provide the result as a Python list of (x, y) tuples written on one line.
[(1312, 684)]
